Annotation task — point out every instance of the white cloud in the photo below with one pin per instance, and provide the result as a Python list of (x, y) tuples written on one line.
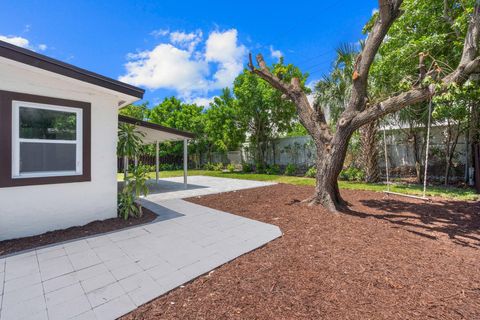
[(187, 64), (374, 11), (15, 40), (202, 101), (167, 67), (275, 53), (23, 42), (186, 40), (223, 48), (159, 33)]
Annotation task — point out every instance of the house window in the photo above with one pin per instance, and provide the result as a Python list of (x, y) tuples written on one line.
[(43, 140), (46, 140)]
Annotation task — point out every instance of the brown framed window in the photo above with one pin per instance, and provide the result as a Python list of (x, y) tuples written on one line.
[(43, 140)]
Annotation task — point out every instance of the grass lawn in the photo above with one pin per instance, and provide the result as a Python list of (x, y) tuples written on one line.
[(436, 191)]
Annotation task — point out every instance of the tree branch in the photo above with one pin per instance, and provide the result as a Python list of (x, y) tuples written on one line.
[(469, 63), (389, 11), (312, 118)]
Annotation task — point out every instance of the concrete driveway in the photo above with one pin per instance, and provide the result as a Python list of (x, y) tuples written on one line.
[(106, 276)]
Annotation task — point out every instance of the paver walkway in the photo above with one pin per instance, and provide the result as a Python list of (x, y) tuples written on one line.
[(173, 188), (106, 276)]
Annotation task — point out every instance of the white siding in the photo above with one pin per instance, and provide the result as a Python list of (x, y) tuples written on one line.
[(32, 210)]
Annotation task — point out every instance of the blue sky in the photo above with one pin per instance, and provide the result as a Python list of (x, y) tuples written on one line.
[(189, 49)]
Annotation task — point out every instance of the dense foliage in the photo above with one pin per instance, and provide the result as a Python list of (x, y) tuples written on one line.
[(436, 30)]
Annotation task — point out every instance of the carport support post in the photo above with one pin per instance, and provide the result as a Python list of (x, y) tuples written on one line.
[(156, 160), (185, 162)]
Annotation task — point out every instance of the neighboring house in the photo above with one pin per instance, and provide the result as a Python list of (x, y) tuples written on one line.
[(58, 137)]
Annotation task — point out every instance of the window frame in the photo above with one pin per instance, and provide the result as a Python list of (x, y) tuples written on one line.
[(8, 144), (17, 140)]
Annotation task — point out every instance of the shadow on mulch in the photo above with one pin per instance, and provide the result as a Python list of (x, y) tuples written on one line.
[(459, 220)]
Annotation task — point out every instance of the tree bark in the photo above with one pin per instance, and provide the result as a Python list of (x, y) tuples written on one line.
[(369, 153), (329, 164)]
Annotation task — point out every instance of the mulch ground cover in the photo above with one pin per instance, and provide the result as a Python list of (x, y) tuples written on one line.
[(387, 258), (95, 227)]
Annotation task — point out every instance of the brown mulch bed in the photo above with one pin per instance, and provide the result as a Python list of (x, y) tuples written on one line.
[(92, 228), (387, 258)]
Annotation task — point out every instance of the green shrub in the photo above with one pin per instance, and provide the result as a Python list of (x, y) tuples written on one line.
[(208, 166), (352, 174), (126, 203), (169, 167), (246, 167), (311, 172), (218, 166), (137, 178), (259, 167), (273, 169), (231, 167), (290, 169), (134, 186), (211, 166)]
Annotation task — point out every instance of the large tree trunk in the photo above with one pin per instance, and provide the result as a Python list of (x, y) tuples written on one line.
[(369, 154), (329, 164)]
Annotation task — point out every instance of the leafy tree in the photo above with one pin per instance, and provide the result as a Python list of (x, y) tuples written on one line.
[(416, 120), (173, 113), (136, 111), (223, 127), (263, 110), (359, 111), (297, 130), (430, 28), (452, 110)]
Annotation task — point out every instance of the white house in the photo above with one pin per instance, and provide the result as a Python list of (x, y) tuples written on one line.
[(58, 136)]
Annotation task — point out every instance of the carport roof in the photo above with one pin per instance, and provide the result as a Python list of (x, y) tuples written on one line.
[(155, 132)]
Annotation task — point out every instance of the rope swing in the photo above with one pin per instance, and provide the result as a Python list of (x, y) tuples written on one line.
[(427, 148)]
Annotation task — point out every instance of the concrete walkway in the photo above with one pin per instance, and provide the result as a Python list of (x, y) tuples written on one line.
[(106, 276), (173, 188)]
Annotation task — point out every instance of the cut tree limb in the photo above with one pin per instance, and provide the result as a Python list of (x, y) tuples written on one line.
[(313, 119)]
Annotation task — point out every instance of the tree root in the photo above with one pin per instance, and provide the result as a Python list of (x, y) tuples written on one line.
[(327, 203)]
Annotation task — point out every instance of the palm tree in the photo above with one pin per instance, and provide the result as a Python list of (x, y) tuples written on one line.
[(129, 143), (334, 89)]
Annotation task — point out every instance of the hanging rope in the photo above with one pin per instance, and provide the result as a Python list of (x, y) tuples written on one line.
[(427, 148), (386, 157), (426, 159)]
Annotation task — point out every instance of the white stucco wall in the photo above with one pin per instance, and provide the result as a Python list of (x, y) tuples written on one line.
[(32, 210)]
